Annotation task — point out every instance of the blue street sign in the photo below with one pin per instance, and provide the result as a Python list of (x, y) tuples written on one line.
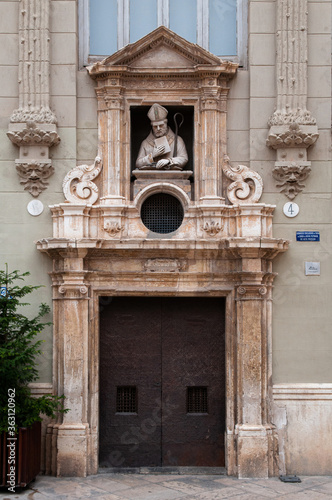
[(307, 236)]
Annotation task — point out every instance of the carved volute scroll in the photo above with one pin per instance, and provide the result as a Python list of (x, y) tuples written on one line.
[(240, 191), (292, 127), (33, 125), (78, 186)]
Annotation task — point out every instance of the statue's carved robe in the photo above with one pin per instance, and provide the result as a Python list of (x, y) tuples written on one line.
[(146, 161)]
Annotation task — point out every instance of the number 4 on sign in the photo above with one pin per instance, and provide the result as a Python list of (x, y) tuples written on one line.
[(291, 209)]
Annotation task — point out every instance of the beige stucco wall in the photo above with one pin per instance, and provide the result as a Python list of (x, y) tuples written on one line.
[(302, 344), (302, 317)]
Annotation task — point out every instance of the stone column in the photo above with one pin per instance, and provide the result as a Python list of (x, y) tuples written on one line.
[(110, 140), (71, 376), (213, 121), (256, 439), (111, 145), (33, 125), (292, 127)]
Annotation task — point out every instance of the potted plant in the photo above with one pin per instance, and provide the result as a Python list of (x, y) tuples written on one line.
[(20, 412)]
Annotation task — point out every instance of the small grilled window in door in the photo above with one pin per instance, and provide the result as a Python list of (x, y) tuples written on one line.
[(197, 400), (126, 399)]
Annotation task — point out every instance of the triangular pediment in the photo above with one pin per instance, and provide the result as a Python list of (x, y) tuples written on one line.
[(160, 49)]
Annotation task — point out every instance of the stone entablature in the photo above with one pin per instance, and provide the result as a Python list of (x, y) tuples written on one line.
[(77, 221)]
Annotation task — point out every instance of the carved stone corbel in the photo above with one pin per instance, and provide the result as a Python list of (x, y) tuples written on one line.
[(292, 127), (33, 125), (78, 186), (240, 191)]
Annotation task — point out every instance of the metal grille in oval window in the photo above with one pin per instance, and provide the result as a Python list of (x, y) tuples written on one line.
[(162, 213)]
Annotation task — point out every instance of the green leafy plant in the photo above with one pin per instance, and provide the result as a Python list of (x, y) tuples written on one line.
[(18, 352)]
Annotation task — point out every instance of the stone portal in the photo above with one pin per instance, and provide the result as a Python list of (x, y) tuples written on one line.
[(222, 247)]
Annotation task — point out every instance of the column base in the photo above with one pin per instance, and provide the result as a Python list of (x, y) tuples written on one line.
[(257, 451), (72, 450)]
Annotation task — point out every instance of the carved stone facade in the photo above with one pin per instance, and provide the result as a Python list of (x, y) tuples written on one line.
[(33, 125), (100, 247), (292, 127)]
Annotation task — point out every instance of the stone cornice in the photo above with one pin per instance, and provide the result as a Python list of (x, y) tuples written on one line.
[(234, 248)]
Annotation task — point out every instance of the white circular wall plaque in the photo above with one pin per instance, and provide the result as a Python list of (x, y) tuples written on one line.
[(35, 207), (291, 209)]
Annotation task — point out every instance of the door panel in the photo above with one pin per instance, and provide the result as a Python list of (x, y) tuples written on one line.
[(193, 357), (130, 357), (160, 347)]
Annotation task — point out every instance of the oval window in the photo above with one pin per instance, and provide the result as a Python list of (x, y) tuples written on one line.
[(162, 213)]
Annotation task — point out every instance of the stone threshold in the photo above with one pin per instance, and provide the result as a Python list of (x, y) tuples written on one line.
[(221, 471)]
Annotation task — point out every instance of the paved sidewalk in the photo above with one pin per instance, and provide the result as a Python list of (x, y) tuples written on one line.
[(172, 486)]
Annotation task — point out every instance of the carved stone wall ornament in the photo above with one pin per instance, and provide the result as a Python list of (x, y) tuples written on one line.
[(33, 175), (78, 186), (292, 127), (34, 63), (112, 228), (292, 136), (240, 191), (33, 125), (164, 265), (212, 227), (290, 177), (33, 135), (73, 291)]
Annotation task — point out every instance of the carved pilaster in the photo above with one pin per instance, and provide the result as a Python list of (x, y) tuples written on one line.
[(256, 435), (33, 125), (292, 127), (71, 320)]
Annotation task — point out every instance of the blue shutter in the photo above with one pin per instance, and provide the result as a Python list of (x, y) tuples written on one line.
[(183, 18), (222, 24), (142, 18), (103, 27)]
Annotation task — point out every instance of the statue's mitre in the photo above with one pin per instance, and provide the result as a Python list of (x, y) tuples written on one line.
[(157, 113)]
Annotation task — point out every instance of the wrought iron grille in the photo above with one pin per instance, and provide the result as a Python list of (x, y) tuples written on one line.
[(126, 399), (197, 400), (162, 213)]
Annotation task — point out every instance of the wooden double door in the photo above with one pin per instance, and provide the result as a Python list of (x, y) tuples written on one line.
[(162, 382)]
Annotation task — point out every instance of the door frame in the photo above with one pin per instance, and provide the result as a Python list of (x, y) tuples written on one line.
[(230, 350), (248, 293)]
